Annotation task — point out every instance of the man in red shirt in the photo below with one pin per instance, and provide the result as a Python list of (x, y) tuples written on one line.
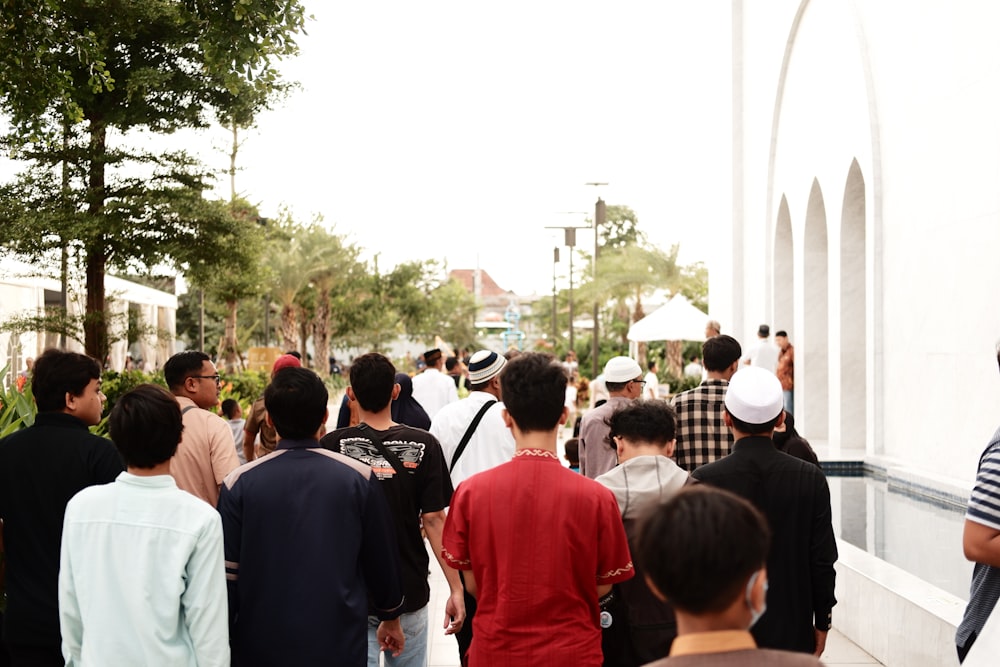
[(539, 544)]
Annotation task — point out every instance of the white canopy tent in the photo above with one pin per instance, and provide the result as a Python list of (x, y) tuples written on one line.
[(678, 319)]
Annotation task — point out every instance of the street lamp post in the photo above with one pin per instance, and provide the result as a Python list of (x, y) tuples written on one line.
[(555, 261), (600, 215), (569, 242)]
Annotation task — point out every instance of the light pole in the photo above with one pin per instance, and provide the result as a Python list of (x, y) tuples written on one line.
[(600, 214), (555, 261), (569, 242)]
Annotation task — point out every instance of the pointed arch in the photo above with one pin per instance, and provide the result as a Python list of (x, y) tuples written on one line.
[(813, 374), (853, 313)]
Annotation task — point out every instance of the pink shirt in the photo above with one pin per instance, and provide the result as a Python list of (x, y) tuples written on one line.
[(539, 539), (206, 453)]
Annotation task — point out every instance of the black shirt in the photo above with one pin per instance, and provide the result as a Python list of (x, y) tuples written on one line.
[(429, 490), (41, 468), (795, 498)]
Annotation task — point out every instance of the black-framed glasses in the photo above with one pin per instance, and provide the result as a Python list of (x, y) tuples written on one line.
[(642, 382), (216, 377)]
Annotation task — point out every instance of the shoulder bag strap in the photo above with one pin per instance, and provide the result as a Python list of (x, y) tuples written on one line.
[(389, 455), (190, 407), (468, 433)]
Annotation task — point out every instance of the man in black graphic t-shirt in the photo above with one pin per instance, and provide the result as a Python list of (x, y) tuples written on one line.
[(393, 450)]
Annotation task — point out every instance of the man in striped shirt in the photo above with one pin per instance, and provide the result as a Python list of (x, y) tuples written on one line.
[(981, 546), (702, 435)]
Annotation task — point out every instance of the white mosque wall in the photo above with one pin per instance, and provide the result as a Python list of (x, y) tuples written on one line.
[(867, 146)]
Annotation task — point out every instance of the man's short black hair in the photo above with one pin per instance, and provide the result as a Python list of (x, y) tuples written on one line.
[(58, 373), (296, 401), (781, 334), (534, 390), (700, 547), (614, 387), (450, 363), (229, 407), (372, 379), (753, 429), (647, 420), (719, 352), (146, 426), (183, 365)]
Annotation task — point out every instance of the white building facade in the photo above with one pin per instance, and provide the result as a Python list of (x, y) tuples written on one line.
[(866, 219), (23, 292)]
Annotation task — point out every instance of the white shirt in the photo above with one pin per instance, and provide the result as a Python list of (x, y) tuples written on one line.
[(764, 354), (141, 577), (433, 390), (652, 388), (491, 444)]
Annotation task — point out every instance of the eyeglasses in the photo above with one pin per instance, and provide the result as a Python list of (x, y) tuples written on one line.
[(216, 377), (642, 382)]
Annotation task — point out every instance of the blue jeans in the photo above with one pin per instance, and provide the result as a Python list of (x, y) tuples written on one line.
[(414, 650), (789, 395)]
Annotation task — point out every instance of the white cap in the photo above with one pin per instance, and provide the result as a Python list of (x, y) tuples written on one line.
[(621, 369), (754, 395)]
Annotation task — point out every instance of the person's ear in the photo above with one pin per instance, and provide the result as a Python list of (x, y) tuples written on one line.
[(70, 401), (619, 445), (671, 446), (727, 419), (395, 391), (758, 594), (564, 417), (350, 393), (508, 421), (781, 419), (656, 591)]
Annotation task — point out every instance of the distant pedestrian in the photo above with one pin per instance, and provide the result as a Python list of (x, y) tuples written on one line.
[(233, 414), (405, 409), (259, 438), (432, 388), (764, 353), (702, 434), (712, 329), (624, 380), (786, 370)]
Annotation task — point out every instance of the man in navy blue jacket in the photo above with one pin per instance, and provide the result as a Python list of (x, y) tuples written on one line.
[(309, 540)]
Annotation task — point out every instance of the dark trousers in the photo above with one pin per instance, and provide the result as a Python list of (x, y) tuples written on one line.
[(24, 655), (964, 650), (464, 636)]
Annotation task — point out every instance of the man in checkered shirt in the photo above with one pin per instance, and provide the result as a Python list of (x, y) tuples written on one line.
[(702, 436)]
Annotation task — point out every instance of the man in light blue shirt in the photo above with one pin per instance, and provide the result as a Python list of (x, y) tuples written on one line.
[(142, 579)]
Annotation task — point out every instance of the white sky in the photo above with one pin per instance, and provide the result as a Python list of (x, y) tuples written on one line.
[(459, 130)]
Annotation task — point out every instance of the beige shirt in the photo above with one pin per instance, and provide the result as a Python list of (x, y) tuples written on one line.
[(206, 453)]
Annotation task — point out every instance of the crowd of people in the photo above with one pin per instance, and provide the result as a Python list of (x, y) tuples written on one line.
[(696, 530)]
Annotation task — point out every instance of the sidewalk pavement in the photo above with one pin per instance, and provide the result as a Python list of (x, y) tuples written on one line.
[(443, 650)]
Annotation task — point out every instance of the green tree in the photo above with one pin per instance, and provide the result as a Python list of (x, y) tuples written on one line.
[(78, 78)]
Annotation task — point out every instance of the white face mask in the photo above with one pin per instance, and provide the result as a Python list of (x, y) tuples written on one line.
[(754, 614)]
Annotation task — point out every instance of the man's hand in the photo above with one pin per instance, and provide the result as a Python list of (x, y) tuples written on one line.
[(454, 612), (820, 642), (390, 637)]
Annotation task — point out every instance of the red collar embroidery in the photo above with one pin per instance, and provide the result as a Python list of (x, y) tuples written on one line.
[(538, 453)]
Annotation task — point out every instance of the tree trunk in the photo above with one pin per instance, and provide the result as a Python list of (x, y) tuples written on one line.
[(289, 328), (321, 335), (95, 324), (229, 352), (303, 338)]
